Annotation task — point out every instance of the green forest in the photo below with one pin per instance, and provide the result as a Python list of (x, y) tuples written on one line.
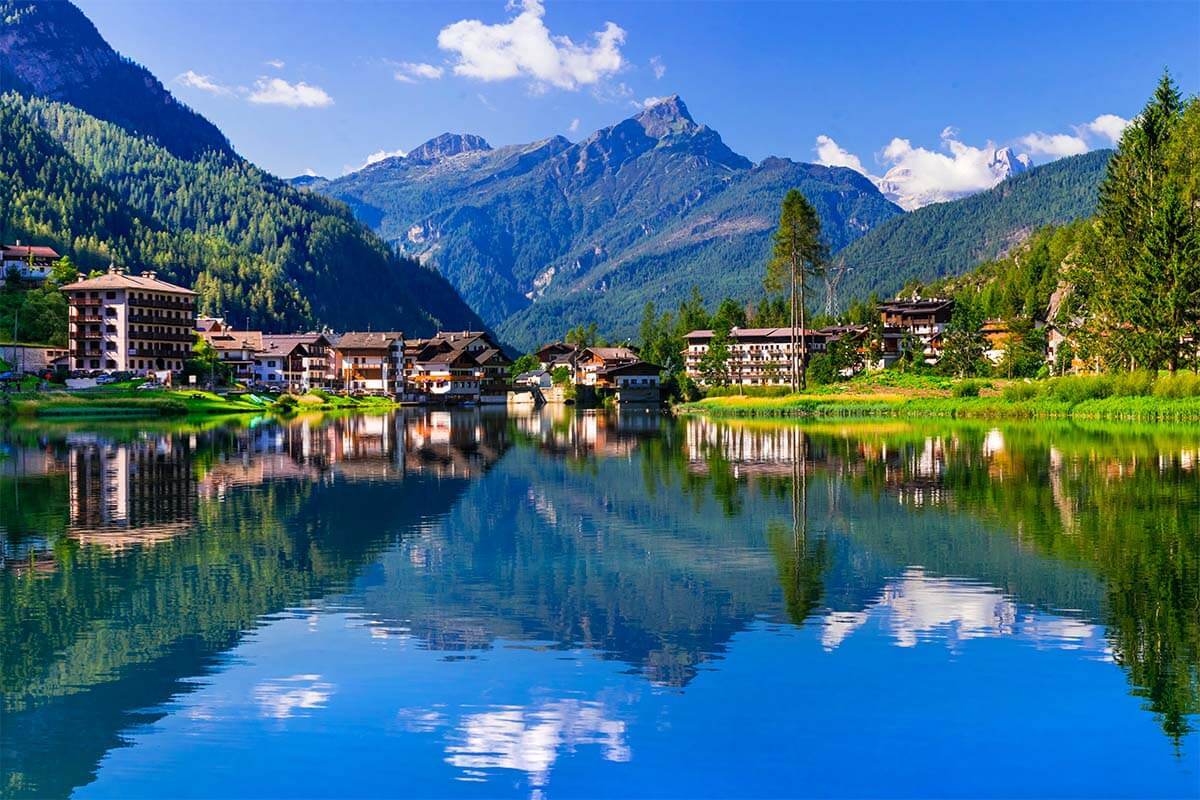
[(255, 249)]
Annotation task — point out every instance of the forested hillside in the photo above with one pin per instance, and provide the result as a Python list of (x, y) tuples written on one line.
[(101, 162), (253, 247), (947, 239)]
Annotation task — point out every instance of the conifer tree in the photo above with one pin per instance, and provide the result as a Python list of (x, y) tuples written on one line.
[(799, 254)]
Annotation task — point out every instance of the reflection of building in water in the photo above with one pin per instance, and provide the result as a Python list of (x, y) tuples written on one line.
[(129, 492), (452, 444), (566, 431)]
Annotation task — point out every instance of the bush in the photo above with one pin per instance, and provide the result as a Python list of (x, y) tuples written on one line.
[(967, 389), (1077, 388), (1179, 385), (821, 369), (1133, 384), (1020, 392), (747, 391)]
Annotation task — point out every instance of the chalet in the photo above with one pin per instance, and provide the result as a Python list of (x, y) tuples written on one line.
[(371, 362), (633, 382), (28, 262), (557, 354), (591, 362), (456, 365), (757, 356), (237, 349), (294, 362), (920, 319)]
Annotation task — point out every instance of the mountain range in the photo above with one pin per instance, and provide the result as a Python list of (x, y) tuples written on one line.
[(540, 236), (103, 163), (100, 161)]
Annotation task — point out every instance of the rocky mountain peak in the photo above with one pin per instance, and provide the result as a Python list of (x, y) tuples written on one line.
[(1005, 163), (666, 116), (448, 144)]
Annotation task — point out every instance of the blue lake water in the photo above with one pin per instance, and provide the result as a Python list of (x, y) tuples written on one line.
[(437, 604)]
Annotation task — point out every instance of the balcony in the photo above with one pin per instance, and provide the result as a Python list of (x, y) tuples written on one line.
[(177, 305), (81, 302)]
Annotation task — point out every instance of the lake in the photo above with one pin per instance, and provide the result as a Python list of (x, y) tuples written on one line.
[(469, 604)]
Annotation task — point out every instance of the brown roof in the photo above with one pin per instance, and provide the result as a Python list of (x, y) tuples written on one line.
[(234, 340), (633, 368), (749, 333), (612, 353), (27, 250), (371, 340), (119, 280)]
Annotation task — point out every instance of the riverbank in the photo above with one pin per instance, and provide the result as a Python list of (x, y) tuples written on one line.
[(904, 396), (126, 401)]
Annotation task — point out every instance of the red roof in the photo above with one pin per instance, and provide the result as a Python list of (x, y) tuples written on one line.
[(25, 251)]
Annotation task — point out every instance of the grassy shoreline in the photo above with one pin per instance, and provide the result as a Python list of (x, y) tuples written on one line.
[(124, 402), (887, 396)]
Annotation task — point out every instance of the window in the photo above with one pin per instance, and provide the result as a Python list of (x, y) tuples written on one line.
[(95, 363), (110, 364), (110, 328), (110, 295), (112, 346)]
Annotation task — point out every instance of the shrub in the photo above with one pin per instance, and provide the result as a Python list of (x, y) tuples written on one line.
[(1133, 384), (967, 389), (1020, 392), (821, 369), (1179, 385), (1077, 388)]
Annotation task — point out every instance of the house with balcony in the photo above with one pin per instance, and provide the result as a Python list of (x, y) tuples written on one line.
[(28, 262), (370, 362), (135, 323), (295, 362), (921, 320), (456, 365), (236, 349)]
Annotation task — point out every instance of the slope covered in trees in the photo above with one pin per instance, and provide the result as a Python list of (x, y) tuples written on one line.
[(947, 239), (252, 247)]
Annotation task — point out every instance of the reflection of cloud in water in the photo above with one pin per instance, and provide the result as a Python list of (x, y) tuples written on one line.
[(524, 738), (917, 607), (281, 698)]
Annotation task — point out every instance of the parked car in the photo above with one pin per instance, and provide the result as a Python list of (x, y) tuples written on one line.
[(104, 380), (150, 385)]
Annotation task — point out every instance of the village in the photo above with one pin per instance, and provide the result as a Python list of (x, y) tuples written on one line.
[(124, 325)]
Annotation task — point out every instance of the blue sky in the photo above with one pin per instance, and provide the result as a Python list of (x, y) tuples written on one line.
[(313, 85)]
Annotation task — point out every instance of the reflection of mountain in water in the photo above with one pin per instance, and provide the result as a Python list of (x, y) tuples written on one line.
[(644, 540)]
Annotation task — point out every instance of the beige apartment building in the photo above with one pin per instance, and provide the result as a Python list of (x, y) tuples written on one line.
[(129, 322)]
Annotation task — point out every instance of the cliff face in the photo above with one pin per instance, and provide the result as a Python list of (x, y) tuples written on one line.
[(50, 49)]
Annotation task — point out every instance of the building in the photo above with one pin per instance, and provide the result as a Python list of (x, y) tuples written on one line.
[(129, 322), (371, 362), (757, 356), (997, 335), (237, 349), (557, 354), (31, 357), (29, 262), (295, 362), (592, 363), (456, 364), (634, 382), (920, 319)]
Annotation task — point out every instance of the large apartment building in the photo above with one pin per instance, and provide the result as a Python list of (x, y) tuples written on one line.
[(757, 356), (923, 320), (129, 322)]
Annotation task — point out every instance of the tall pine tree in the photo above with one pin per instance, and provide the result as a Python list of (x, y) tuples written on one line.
[(798, 256)]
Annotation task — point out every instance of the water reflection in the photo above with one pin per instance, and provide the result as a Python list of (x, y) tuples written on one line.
[(135, 559)]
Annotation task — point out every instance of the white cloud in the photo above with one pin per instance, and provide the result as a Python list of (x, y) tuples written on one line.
[(1055, 145), (1109, 126), (609, 92), (483, 101), (524, 47), (658, 67), (647, 102), (574, 126), (274, 62), (380, 155), (831, 154), (277, 91), (411, 72), (204, 83), (310, 172)]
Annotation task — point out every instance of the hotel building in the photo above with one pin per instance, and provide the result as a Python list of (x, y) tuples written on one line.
[(130, 322)]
